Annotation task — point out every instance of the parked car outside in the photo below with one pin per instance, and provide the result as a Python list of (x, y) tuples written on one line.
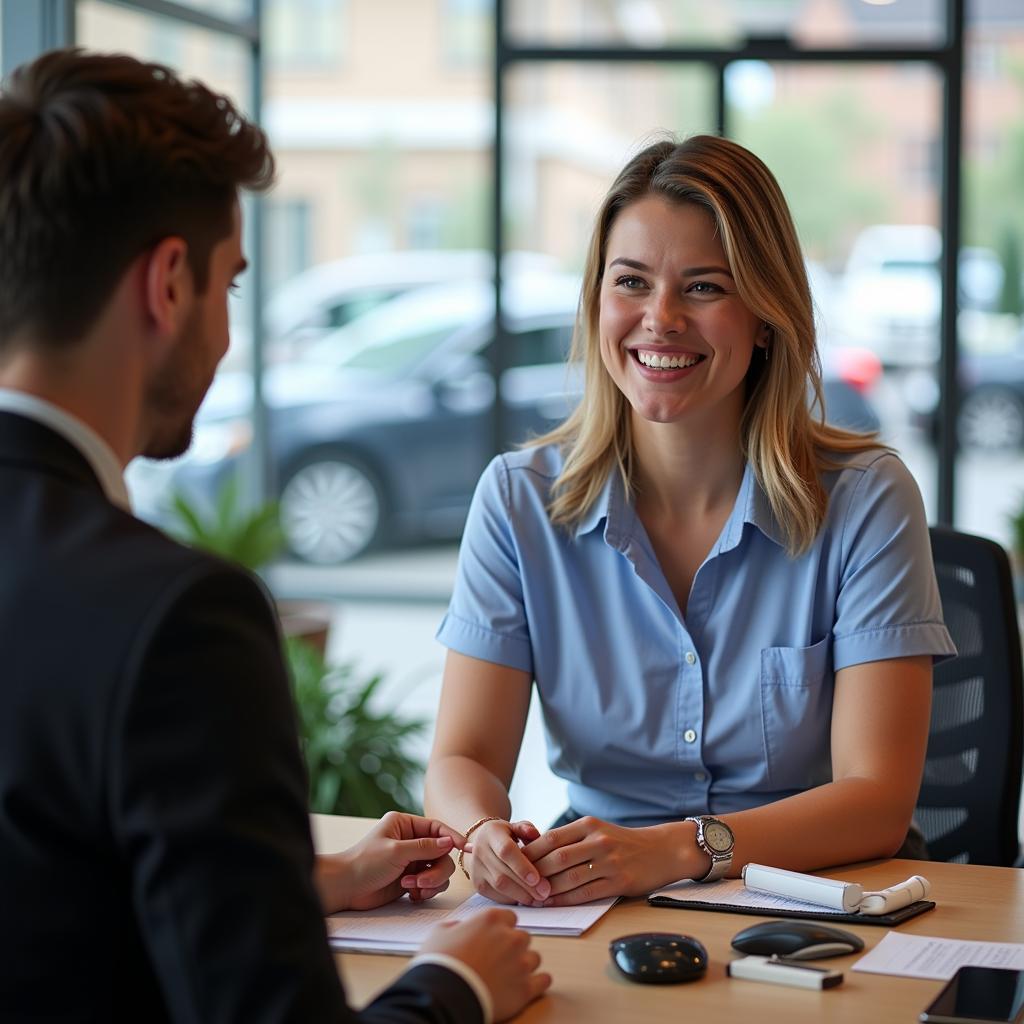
[(891, 291), (381, 429), (330, 295), (991, 378)]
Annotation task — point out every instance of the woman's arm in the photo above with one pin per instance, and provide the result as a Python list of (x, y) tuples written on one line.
[(880, 717), (480, 728)]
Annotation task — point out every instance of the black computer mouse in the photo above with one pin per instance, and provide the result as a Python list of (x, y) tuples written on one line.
[(659, 958), (798, 940)]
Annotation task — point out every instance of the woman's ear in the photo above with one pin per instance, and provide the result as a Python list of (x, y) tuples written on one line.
[(168, 286)]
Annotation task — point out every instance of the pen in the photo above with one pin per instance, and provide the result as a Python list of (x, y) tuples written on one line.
[(782, 972)]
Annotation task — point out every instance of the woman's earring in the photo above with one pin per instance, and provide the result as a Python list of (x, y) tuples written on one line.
[(766, 333)]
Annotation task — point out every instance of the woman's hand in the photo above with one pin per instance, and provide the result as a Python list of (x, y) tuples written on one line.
[(590, 859), (401, 853), (498, 867)]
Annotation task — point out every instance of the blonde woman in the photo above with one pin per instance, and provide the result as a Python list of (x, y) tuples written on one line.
[(728, 608)]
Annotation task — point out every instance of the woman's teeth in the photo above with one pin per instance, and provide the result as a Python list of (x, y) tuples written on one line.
[(658, 362)]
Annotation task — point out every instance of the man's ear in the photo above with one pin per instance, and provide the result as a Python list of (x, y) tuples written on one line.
[(167, 285)]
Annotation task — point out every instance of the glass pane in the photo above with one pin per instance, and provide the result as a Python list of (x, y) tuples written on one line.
[(223, 63), (571, 127), (726, 23), (856, 150), (990, 461)]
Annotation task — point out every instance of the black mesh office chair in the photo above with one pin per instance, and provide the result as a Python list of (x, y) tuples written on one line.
[(970, 796)]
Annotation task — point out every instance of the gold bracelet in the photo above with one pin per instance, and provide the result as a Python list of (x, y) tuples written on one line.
[(460, 860)]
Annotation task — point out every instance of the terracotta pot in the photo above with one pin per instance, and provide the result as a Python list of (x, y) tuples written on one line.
[(307, 620)]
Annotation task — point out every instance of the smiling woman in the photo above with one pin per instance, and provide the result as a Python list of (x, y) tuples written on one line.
[(728, 607)]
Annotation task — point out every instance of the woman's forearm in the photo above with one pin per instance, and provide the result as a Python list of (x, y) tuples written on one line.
[(460, 791), (849, 820)]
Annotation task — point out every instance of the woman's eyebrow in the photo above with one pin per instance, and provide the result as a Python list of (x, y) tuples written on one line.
[(687, 272)]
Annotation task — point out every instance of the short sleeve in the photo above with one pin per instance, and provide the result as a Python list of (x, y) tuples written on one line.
[(888, 604), (486, 618)]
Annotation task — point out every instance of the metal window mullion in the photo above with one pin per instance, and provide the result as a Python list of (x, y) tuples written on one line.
[(499, 354), (949, 395)]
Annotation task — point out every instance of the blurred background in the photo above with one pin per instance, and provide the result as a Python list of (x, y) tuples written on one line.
[(374, 370)]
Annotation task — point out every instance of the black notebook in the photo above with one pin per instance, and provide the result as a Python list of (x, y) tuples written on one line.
[(810, 914)]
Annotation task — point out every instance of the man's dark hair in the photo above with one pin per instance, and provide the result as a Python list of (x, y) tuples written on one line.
[(101, 157)]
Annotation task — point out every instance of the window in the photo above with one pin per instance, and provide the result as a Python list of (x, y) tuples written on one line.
[(304, 34)]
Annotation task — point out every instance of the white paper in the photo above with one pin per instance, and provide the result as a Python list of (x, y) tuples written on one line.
[(400, 927), (923, 956), (543, 920), (731, 892)]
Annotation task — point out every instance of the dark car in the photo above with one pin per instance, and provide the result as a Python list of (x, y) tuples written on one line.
[(991, 416), (384, 426)]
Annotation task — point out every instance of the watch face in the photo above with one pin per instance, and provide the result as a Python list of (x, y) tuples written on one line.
[(718, 836)]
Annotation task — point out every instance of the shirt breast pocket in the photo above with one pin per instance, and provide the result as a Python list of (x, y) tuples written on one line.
[(796, 711)]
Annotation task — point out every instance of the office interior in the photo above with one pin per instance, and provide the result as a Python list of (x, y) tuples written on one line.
[(414, 273)]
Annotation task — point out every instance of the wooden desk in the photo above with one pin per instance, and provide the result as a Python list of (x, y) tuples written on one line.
[(973, 903)]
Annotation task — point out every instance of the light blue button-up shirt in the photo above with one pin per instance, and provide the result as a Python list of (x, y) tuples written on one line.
[(651, 716)]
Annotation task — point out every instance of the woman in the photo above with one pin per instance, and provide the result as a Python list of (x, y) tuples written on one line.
[(728, 607)]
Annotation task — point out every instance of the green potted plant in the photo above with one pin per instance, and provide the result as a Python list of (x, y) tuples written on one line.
[(355, 755)]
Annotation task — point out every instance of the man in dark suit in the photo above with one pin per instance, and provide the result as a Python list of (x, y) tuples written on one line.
[(155, 854)]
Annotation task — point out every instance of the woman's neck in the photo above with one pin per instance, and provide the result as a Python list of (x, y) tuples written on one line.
[(682, 472)]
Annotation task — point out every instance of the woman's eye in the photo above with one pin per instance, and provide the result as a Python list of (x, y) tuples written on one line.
[(629, 282), (704, 287)]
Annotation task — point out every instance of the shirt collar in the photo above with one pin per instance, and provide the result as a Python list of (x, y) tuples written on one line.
[(751, 506), (93, 448), (602, 507)]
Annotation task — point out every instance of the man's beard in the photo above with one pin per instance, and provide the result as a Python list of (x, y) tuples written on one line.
[(174, 394)]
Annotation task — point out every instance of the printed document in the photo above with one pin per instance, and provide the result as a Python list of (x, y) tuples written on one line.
[(922, 956), (401, 927)]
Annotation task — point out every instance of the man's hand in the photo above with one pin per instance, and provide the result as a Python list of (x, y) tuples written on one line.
[(401, 853), (500, 953)]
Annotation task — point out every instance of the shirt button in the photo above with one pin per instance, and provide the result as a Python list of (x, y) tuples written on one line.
[(691, 658), (699, 776), (689, 735)]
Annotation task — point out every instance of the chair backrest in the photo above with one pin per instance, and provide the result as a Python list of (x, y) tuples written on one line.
[(970, 797)]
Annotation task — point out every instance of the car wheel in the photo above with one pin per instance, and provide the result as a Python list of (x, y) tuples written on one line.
[(991, 418), (330, 510)]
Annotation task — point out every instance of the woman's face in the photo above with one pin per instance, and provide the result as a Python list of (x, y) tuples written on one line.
[(675, 336)]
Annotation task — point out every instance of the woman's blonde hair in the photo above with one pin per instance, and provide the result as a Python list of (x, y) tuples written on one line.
[(783, 435)]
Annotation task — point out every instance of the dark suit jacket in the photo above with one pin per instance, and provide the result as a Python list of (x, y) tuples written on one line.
[(155, 854)]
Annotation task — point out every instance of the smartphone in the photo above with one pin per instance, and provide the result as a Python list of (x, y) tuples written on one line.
[(979, 995)]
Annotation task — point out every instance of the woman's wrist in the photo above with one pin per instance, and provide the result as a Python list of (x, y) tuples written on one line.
[(472, 830), (684, 858)]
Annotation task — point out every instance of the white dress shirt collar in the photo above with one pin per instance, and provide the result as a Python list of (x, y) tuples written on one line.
[(94, 449)]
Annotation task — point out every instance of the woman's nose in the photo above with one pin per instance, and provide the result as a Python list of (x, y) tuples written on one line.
[(664, 314)]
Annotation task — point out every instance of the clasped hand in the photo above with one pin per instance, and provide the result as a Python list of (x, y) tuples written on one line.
[(588, 859)]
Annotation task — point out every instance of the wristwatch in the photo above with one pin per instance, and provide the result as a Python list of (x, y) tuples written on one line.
[(715, 838)]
